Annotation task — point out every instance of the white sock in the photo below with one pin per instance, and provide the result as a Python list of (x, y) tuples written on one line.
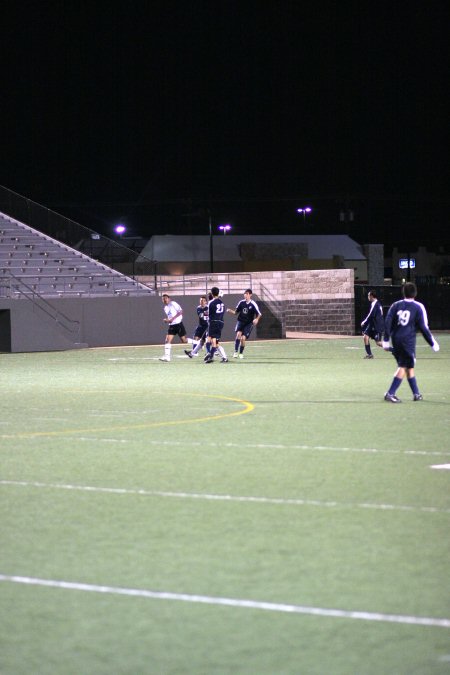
[(221, 351), (197, 348), (167, 348)]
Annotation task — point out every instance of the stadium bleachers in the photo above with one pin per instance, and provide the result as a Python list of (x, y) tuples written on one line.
[(32, 262)]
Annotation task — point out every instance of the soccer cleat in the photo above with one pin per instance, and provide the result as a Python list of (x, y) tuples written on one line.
[(163, 358), (224, 360), (417, 397), (368, 356), (208, 358), (235, 355), (391, 398), (188, 353), (241, 356)]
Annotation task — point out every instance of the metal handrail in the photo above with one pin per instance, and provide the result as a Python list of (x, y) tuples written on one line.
[(229, 283), (72, 326)]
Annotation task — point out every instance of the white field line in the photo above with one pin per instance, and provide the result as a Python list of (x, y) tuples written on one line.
[(226, 498), (232, 602), (133, 358), (92, 437), (106, 440), (279, 446)]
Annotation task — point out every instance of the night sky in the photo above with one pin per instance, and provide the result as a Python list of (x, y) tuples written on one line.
[(154, 112)]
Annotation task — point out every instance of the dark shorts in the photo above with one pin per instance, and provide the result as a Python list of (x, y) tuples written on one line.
[(215, 329), (404, 357), (244, 328), (372, 334), (177, 329), (201, 331)]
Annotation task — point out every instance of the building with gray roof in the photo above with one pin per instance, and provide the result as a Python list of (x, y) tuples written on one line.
[(190, 254)]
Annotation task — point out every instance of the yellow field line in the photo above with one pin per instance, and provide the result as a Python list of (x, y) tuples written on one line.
[(248, 407)]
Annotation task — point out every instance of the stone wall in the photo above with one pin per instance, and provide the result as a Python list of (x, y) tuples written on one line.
[(316, 301), (319, 316)]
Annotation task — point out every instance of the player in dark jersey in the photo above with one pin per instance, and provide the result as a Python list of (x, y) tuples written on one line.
[(201, 332), (404, 318), (373, 324), (216, 311), (248, 315)]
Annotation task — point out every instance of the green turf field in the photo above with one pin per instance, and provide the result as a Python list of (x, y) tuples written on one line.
[(271, 515)]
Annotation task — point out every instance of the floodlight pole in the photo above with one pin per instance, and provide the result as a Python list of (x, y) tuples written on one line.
[(211, 246), (305, 210)]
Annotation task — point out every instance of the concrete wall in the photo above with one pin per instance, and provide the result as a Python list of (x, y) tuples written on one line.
[(92, 322), (26, 327), (319, 301)]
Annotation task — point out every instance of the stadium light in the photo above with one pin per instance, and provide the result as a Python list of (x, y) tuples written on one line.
[(225, 228), (304, 210), (120, 229)]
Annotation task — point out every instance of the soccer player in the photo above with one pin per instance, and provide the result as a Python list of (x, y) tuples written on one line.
[(201, 331), (373, 324), (216, 311), (248, 315), (404, 318), (174, 319)]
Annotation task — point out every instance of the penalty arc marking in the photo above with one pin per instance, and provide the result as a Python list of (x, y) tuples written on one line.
[(246, 408)]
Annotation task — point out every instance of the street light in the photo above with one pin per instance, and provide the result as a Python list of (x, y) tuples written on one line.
[(305, 210), (225, 228)]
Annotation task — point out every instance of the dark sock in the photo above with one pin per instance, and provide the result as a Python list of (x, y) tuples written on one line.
[(413, 384), (368, 350), (396, 382)]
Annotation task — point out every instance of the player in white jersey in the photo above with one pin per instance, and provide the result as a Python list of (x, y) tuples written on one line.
[(174, 320)]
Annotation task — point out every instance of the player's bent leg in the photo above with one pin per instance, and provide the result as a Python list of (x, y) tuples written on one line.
[(369, 354)]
